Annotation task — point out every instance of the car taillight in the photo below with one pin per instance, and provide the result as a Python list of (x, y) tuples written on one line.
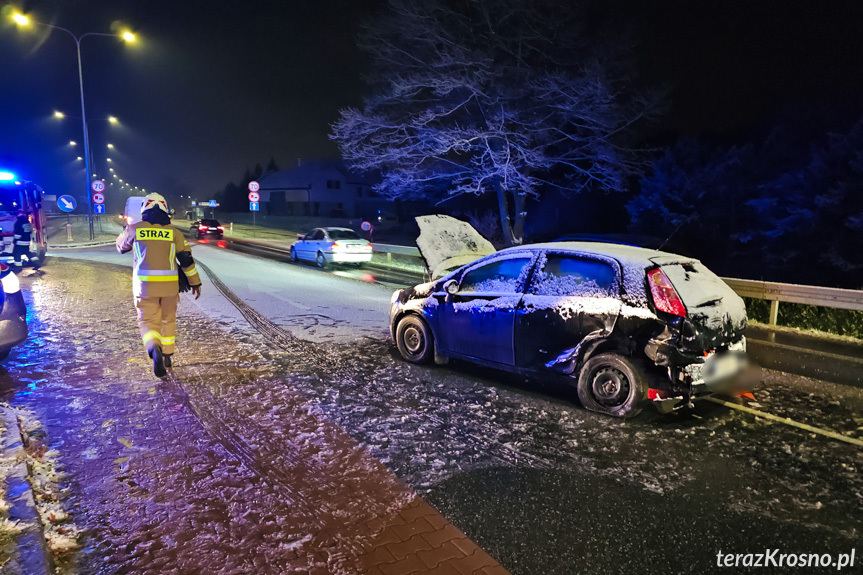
[(665, 297), (336, 246), (369, 247), (202, 228), (221, 228)]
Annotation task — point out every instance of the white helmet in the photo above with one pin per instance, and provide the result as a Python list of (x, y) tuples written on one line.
[(154, 200)]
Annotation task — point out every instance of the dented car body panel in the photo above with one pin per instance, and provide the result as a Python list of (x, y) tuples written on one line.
[(547, 308)]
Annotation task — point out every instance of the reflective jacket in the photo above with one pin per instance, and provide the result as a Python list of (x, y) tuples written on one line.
[(158, 250)]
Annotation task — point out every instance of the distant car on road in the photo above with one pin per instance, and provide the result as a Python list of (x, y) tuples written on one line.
[(326, 246), (13, 312), (623, 324), (207, 228)]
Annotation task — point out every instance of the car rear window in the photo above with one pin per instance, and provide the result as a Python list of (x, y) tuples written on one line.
[(502, 276), (344, 235), (560, 275), (213, 223)]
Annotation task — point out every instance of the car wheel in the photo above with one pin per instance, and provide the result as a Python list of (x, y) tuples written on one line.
[(414, 339), (321, 260), (612, 384), (294, 257)]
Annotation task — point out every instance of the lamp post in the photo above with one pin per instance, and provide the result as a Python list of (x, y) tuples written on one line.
[(23, 20)]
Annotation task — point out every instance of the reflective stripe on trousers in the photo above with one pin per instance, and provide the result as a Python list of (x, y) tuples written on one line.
[(157, 320)]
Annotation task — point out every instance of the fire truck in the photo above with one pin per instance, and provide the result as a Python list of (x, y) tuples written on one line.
[(21, 196)]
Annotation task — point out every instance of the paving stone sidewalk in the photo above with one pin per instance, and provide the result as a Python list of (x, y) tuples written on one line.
[(222, 468)]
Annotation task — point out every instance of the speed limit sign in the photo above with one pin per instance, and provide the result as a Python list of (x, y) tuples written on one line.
[(98, 186), (98, 198), (254, 187)]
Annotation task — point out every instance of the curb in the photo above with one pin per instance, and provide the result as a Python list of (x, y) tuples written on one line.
[(32, 556)]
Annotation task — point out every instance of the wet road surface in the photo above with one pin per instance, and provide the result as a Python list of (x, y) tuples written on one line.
[(543, 485)]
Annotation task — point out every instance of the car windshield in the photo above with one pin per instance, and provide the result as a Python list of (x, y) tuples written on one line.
[(344, 235)]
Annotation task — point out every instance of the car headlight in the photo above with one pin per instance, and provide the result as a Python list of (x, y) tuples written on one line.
[(11, 283)]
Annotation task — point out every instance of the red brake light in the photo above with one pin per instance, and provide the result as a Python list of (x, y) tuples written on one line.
[(202, 227), (221, 227), (665, 297), (336, 245)]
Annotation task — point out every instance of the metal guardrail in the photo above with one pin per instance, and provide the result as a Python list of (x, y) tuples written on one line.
[(793, 293)]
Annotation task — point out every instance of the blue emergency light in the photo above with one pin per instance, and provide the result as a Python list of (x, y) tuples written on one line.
[(6, 176)]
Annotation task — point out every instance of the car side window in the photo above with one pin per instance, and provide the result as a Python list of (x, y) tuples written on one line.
[(562, 275), (315, 235), (502, 276)]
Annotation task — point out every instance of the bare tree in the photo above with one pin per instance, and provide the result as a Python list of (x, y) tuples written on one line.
[(492, 96)]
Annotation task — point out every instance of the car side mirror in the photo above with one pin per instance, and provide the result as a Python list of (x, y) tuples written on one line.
[(451, 287), (301, 236)]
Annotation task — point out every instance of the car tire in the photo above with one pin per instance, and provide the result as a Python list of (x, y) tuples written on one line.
[(321, 260), (294, 257), (414, 339), (612, 384)]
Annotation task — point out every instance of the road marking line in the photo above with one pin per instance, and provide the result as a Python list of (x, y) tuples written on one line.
[(789, 421)]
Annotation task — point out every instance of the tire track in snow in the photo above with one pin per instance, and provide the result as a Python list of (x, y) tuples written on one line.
[(314, 355)]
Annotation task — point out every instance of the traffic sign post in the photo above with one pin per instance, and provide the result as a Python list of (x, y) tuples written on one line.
[(98, 186), (254, 197), (254, 207), (98, 198), (254, 187), (99, 208)]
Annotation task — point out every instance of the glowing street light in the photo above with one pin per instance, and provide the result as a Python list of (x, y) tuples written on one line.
[(110, 160), (59, 115), (73, 143), (115, 175), (79, 158), (110, 146), (110, 169), (22, 20)]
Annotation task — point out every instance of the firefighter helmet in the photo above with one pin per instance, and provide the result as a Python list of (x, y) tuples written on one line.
[(154, 200)]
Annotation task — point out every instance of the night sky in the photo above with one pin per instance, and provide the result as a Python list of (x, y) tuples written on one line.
[(213, 87)]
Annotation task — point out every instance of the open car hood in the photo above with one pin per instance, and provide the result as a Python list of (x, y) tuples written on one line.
[(446, 242)]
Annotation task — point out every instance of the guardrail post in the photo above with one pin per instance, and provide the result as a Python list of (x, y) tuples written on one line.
[(68, 232), (774, 311)]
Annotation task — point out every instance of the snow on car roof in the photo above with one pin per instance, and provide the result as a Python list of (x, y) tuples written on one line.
[(625, 254)]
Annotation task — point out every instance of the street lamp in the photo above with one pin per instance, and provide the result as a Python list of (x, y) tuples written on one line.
[(23, 20), (110, 146), (73, 143), (59, 115)]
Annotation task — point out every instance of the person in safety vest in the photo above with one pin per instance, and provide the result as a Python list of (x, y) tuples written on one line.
[(159, 247), (21, 235)]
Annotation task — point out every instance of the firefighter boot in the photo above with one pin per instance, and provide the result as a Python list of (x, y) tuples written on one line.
[(168, 361), (159, 363)]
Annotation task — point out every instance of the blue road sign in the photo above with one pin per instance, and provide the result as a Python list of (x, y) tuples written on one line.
[(214, 204), (99, 209), (194, 203), (254, 206), (67, 203)]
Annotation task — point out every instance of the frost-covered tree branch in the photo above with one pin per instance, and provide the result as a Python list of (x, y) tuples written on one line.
[(491, 96)]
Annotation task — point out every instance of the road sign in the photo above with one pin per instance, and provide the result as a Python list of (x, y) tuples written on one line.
[(67, 203), (213, 204), (98, 198), (194, 203), (254, 197), (99, 209), (254, 206), (254, 187), (98, 186), (365, 226)]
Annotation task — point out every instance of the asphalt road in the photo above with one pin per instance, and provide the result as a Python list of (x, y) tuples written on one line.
[(543, 485)]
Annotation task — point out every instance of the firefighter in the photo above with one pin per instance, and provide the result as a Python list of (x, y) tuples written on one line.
[(22, 232), (159, 247)]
